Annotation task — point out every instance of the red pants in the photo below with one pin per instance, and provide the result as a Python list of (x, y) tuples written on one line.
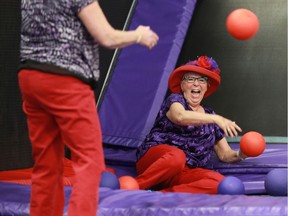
[(163, 168), (60, 111)]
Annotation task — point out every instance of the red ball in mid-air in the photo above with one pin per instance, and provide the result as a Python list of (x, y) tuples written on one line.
[(252, 144), (242, 24), (128, 183)]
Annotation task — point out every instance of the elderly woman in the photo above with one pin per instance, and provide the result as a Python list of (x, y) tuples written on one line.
[(184, 135)]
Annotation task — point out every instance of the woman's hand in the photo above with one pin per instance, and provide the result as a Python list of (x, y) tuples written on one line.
[(226, 154), (146, 36), (229, 127)]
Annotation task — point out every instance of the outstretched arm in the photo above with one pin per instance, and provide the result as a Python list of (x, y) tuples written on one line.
[(226, 154), (97, 25), (178, 115)]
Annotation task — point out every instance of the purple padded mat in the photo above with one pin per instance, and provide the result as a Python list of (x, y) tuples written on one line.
[(138, 84), (14, 200)]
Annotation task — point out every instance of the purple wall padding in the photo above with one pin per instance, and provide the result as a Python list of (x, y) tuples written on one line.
[(139, 82)]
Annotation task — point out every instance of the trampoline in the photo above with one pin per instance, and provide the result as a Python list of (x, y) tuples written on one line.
[(15, 190)]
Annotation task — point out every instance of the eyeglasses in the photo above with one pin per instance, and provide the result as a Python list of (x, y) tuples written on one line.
[(191, 79)]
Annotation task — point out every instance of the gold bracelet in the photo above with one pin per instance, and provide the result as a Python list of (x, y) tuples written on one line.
[(139, 37)]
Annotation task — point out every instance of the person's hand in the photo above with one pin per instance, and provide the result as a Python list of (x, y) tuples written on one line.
[(229, 127), (146, 37), (241, 155)]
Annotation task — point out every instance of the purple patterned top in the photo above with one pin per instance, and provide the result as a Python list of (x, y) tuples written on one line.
[(53, 35), (196, 141)]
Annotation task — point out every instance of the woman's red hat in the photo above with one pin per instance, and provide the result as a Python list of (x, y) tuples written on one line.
[(203, 65)]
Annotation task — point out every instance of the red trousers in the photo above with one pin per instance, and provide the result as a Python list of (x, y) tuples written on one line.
[(60, 111), (163, 168)]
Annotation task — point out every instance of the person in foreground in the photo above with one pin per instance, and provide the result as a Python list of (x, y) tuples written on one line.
[(185, 134), (59, 66)]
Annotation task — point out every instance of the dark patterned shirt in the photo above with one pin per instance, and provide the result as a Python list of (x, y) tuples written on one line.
[(53, 35), (196, 141)]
